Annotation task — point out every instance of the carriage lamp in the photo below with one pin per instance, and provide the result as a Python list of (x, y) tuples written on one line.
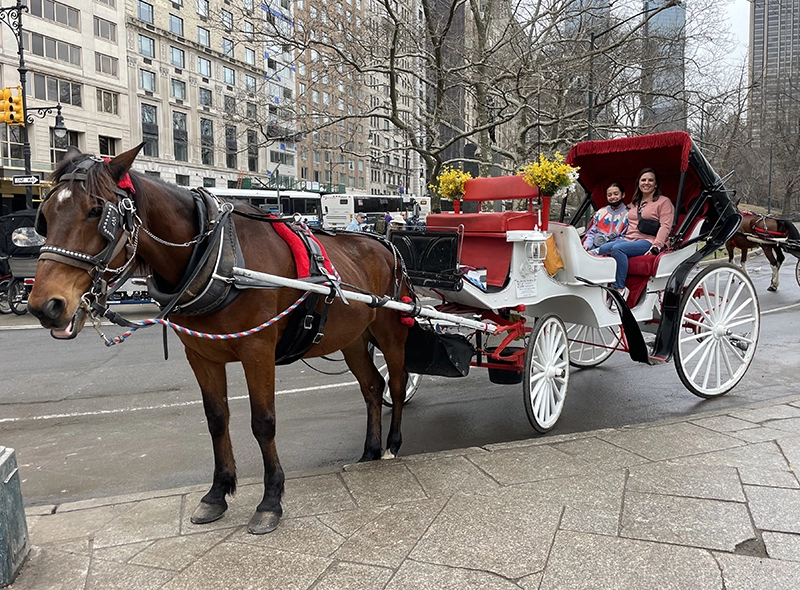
[(536, 246)]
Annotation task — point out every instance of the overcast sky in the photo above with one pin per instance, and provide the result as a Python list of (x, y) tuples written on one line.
[(739, 19)]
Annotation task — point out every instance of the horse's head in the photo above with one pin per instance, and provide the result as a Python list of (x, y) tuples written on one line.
[(84, 223)]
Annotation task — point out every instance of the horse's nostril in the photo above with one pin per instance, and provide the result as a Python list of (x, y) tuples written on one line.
[(53, 308)]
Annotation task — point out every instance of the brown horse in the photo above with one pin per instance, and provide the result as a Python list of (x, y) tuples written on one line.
[(162, 221), (762, 231)]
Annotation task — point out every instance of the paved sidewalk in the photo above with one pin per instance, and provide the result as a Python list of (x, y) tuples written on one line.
[(709, 502)]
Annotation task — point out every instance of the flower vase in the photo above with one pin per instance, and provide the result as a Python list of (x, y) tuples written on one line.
[(457, 205), (544, 212)]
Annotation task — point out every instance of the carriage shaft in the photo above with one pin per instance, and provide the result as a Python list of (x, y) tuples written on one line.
[(261, 280)]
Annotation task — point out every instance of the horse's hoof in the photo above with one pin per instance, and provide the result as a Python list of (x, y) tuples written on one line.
[(387, 454), (205, 513), (773, 289), (263, 522)]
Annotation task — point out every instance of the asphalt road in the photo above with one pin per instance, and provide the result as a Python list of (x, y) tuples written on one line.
[(90, 421)]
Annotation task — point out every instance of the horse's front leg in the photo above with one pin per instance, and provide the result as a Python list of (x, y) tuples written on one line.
[(260, 376), (213, 385)]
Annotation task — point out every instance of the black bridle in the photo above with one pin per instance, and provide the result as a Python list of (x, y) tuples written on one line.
[(114, 217)]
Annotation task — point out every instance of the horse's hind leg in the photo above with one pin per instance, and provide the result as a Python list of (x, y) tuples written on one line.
[(359, 361), (392, 335), (769, 252), (213, 385), (260, 376)]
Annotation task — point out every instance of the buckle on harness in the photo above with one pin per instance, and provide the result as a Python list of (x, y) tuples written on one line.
[(308, 322), (318, 337)]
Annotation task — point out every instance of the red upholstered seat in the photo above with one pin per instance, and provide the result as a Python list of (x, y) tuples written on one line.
[(485, 243)]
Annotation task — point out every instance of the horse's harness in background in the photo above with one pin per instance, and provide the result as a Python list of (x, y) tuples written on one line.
[(759, 228)]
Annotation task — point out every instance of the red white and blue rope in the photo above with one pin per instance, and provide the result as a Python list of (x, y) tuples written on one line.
[(187, 331)]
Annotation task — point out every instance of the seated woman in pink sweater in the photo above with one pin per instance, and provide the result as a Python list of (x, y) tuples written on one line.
[(649, 223)]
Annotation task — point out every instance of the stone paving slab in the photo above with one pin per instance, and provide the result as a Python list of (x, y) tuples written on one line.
[(715, 483), (695, 522), (590, 562)]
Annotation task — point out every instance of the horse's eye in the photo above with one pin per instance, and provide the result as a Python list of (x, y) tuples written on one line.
[(95, 212)]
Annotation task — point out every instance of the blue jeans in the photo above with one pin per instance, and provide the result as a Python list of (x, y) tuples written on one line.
[(621, 250)]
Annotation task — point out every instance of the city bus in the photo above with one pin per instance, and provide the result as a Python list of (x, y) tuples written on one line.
[(286, 203), (339, 209)]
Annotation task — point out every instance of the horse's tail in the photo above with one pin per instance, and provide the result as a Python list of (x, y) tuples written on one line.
[(791, 229)]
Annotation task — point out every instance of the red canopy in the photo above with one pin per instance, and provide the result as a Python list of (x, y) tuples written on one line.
[(621, 160)]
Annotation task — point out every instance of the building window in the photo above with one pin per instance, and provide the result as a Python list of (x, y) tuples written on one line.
[(202, 7), (147, 80), (180, 137), (252, 150), (12, 144), (105, 64), (56, 12), (250, 83), (227, 47), (176, 25), (182, 179), (207, 142), (228, 76), (179, 89), (230, 146), (252, 110), (147, 46), (150, 130), (249, 56), (145, 12), (177, 57), (248, 30), (205, 97), (104, 29), (248, 5), (107, 102), (51, 48), (108, 146), (59, 145), (209, 182), (204, 37), (204, 67), (153, 173), (230, 104), (227, 19), (111, 3), (49, 88)]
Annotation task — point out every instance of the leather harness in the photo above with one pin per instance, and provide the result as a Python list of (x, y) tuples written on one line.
[(207, 284)]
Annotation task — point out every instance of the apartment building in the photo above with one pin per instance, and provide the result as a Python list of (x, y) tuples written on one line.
[(774, 64), (75, 57), (200, 82)]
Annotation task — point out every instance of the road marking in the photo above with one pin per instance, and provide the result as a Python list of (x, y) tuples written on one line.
[(777, 309), (163, 406)]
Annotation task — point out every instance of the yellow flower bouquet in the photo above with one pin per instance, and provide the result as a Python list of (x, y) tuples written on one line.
[(450, 183), (550, 175)]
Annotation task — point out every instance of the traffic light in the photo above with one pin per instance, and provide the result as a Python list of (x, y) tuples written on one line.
[(16, 114), (5, 103)]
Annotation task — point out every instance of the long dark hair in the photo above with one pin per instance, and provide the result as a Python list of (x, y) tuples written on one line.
[(637, 195)]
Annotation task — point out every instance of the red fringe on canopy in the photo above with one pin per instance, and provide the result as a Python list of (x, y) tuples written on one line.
[(645, 142)]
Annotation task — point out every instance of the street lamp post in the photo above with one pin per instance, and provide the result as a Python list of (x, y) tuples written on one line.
[(594, 36)]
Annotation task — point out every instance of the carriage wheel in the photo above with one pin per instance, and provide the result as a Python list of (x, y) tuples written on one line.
[(797, 271), (719, 328), (588, 346), (546, 375), (17, 295), (412, 384)]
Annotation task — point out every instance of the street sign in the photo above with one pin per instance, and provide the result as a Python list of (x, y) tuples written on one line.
[(25, 180)]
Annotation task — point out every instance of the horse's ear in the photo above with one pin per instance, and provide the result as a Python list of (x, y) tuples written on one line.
[(119, 165), (72, 152)]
